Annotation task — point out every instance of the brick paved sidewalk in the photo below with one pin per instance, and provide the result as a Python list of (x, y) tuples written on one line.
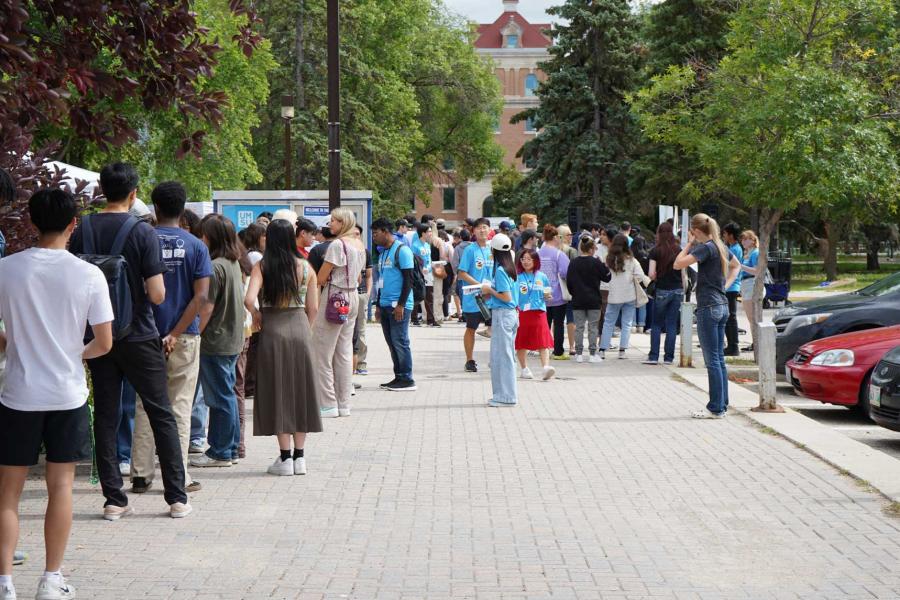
[(597, 486)]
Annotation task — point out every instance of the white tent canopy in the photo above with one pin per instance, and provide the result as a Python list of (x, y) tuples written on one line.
[(74, 173)]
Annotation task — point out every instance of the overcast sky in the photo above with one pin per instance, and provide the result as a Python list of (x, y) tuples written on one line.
[(487, 11)]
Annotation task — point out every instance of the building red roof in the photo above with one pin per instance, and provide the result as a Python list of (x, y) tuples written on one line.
[(489, 35)]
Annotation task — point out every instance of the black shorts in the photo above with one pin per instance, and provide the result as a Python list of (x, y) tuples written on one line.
[(66, 435), (473, 319)]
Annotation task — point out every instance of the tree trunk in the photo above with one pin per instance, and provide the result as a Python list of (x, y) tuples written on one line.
[(768, 220), (872, 248), (299, 87), (833, 232)]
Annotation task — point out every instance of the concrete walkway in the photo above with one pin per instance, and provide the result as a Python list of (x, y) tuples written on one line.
[(597, 485)]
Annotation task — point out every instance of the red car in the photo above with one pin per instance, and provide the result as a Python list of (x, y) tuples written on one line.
[(836, 369)]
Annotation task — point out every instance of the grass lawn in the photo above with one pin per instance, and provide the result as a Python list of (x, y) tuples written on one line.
[(808, 276)]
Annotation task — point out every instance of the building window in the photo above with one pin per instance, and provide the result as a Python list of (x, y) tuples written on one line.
[(448, 164), (529, 125), (512, 41), (450, 199), (531, 83)]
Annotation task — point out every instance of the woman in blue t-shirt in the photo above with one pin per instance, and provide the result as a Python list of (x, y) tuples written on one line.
[(534, 332), (503, 300), (749, 270)]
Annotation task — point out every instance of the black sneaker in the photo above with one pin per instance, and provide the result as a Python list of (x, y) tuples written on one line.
[(357, 386), (403, 385), (471, 367), (140, 485), (389, 383), (417, 323), (435, 324)]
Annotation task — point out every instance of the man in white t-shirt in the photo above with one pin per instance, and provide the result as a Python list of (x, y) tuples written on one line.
[(47, 299)]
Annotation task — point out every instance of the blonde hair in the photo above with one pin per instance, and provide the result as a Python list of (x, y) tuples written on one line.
[(563, 230), (749, 235), (347, 220), (709, 227)]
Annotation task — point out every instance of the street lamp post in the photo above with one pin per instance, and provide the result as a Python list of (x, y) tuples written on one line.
[(287, 114), (334, 107)]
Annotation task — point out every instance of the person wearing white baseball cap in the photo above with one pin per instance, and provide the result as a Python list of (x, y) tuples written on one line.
[(503, 300)]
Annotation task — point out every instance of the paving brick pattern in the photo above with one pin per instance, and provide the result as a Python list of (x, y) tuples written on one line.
[(596, 486)]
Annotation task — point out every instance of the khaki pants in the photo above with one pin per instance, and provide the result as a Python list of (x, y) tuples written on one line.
[(182, 369), (362, 350), (438, 300), (333, 353)]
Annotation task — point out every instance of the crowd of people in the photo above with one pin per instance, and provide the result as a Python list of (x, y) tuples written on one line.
[(180, 319)]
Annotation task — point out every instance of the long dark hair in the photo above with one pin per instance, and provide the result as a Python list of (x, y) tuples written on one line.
[(279, 264), (618, 253), (221, 237), (251, 237), (504, 258), (667, 248)]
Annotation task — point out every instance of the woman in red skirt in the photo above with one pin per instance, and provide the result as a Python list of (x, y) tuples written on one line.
[(534, 333)]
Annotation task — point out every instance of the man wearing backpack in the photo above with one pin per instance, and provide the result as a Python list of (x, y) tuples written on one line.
[(394, 299), (47, 299), (137, 352)]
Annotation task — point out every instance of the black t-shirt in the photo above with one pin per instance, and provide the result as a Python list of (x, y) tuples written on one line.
[(583, 280), (317, 255), (144, 256), (672, 279), (710, 279), (362, 280)]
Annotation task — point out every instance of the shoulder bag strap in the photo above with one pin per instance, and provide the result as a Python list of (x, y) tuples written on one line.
[(122, 235), (87, 235)]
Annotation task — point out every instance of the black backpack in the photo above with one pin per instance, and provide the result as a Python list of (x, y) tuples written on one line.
[(115, 269), (418, 279)]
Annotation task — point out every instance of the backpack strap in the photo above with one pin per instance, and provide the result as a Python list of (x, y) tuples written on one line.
[(122, 235), (87, 235)]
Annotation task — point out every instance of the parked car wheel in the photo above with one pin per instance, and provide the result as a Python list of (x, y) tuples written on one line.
[(861, 408)]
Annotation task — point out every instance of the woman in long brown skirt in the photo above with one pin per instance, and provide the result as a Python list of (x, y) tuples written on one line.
[(286, 403)]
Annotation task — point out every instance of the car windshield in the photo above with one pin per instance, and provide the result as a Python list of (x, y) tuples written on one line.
[(883, 286)]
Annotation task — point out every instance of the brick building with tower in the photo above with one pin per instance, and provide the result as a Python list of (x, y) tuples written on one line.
[(515, 47)]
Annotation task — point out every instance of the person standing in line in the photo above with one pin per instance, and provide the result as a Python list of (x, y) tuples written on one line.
[(394, 301), (717, 270), (306, 236), (555, 265), (731, 234), (464, 241), (643, 314), (421, 247), (533, 333), (526, 221), (586, 273), (565, 245), (316, 256), (253, 238), (360, 349), (749, 271), (282, 299), (475, 267), (178, 322), (240, 370), (503, 299), (606, 236), (138, 355), (47, 299), (333, 341), (626, 274), (669, 294), (221, 342), (446, 254)]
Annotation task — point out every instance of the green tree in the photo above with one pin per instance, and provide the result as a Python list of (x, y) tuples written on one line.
[(791, 115), (506, 191), (581, 154)]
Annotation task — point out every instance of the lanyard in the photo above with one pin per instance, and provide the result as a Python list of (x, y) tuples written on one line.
[(530, 287), (383, 258), (484, 257)]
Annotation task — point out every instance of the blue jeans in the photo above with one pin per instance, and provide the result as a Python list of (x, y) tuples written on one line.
[(125, 434), (666, 307), (396, 334), (505, 324), (641, 317), (613, 312), (711, 322), (217, 374), (199, 418)]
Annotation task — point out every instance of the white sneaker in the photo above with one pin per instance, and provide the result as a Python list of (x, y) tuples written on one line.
[(622, 354), (649, 362), (281, 467), (205, 460), (180, 510), (343, 412), (125, 469), (7, 592), (595, 358), (579, 358), (300, 466), (54, 588), (706, 414), (330, 413), (114, 513), (526, 374), (549, 372)]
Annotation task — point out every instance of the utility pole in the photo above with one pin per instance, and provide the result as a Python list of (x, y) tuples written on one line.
[(334, 107), (287, 114)]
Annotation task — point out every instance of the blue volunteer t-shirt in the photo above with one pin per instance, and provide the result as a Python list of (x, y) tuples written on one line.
[(503, 283), (187, 260), (531, 291), (423, 249), (391, 261), (750, 260), (738, 253), (478, 262)]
